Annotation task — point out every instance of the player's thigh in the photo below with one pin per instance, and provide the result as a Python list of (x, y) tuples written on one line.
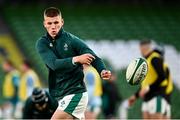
[(59, 114)]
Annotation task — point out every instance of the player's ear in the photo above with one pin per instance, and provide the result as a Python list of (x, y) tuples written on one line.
[(62, 21), (44, 24)]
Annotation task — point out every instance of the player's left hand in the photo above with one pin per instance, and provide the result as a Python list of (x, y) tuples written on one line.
[(106, 74)]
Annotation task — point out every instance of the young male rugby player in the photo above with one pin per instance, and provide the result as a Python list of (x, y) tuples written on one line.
[(64, 54)]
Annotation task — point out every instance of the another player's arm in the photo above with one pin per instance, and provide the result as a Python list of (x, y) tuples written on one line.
[(144, 89), (157, 63), (140, 92), (50, 59), (81, 48)]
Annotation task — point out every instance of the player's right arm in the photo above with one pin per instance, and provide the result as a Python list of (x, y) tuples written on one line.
[(50, 59)]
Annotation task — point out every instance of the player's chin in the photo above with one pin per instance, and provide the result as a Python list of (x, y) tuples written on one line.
[(53, 33)]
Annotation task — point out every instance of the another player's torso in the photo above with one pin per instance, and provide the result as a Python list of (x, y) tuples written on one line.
[(150, 79), (151, 75), (62, 83)]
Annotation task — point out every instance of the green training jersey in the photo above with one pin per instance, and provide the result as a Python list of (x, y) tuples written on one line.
[(65, 77)]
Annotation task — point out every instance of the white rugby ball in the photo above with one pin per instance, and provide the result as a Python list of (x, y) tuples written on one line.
[(136, 71)]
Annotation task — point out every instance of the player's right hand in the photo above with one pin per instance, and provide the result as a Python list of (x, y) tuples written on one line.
[(84, 59)]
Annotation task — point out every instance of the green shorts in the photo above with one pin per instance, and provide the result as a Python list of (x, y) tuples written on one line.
[(74, 104)]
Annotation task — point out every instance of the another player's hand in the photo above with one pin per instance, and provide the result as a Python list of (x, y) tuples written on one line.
[(132, 100), (84, 59), (106, 74)]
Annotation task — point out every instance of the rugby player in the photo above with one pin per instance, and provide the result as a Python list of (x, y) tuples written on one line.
[(64, 54), (157, 86)]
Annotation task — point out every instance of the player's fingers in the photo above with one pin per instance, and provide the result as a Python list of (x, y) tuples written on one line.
[(90, 59), (106, 75), (88, 62), (91, 56), (107, 72), (102, 73)]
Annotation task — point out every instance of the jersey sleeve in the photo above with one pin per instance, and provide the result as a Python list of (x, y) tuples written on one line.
[(81, 48), (50, 59)]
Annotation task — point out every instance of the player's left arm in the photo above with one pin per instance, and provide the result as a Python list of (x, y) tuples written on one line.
[(158, 66), (81, 48)]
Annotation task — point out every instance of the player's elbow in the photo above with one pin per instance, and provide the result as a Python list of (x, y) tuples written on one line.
[(57, 66), (52, 65)]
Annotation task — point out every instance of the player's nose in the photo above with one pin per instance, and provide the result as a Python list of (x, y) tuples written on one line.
[(53, 26)]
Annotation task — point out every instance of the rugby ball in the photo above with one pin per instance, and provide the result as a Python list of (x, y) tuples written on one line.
[(136, 71)]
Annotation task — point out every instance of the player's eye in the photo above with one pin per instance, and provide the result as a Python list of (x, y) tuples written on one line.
[(56, 22), (49, 23)]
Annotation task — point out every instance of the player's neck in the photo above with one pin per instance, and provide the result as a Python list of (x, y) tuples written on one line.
[(148, 52)]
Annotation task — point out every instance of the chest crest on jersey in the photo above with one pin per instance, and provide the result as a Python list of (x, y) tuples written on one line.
[(65, 46)]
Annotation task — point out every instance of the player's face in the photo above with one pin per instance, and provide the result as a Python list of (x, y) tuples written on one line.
[(53, 25), (41, 107), (144, 49)]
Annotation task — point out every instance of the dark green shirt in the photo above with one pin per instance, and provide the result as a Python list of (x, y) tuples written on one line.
[(64, 77)]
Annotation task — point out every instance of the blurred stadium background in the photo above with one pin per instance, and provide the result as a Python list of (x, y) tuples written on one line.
[(110, 27)]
